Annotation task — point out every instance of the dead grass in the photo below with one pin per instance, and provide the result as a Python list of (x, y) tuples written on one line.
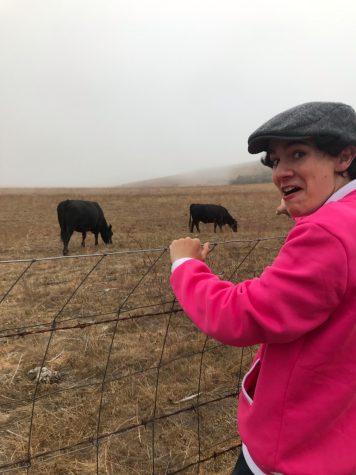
[(132, 382)]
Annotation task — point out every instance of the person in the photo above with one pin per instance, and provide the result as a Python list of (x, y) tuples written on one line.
[(297, 405)]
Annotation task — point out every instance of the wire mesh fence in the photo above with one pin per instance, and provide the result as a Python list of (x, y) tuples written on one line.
[(102, 373)]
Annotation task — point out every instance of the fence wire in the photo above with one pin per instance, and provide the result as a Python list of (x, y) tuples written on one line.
[(150, 375)]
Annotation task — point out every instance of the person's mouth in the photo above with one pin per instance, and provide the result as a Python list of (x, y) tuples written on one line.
[(289, 190)]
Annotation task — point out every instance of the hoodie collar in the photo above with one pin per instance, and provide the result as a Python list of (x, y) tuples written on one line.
[(341, 192), (338, 195)]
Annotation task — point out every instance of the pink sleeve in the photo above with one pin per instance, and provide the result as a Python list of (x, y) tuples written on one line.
[(294, 295)]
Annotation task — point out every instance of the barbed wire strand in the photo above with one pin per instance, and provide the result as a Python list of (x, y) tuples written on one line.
[(60, 327), (131, 251), (83, 317)]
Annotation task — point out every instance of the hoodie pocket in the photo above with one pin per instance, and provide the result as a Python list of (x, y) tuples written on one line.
[(250, 380)]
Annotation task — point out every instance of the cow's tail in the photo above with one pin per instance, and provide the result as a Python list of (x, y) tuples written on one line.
[(61, 220), (190, 216)]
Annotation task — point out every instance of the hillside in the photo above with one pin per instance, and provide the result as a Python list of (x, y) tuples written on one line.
[(249, 172)]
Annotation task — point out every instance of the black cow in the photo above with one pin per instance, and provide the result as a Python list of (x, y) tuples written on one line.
[(82, 216), (210, 214)]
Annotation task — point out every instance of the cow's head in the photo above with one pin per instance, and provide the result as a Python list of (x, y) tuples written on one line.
[(106, 234), (233, 225)]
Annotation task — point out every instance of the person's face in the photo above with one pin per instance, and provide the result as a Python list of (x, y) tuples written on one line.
[(304, 175)]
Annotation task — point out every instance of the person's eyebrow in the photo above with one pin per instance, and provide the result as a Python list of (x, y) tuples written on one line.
[(290, 143), (297, 142)]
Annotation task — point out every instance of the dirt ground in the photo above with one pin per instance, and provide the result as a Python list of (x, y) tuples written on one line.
[(133, 386)]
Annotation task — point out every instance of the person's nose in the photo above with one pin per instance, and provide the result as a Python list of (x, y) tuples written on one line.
[(282, 171)]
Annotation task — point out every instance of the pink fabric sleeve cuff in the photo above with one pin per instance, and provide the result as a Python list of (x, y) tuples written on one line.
[(178, 262)]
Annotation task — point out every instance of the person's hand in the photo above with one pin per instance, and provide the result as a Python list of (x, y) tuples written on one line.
[(188, 247)]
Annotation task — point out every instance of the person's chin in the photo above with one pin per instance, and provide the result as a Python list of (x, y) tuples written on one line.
[(295, 212), (299, 213)]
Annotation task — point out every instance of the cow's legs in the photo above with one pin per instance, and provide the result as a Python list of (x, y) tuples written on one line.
[(216, 224), (65, 238), (196, 224), (84, 235)]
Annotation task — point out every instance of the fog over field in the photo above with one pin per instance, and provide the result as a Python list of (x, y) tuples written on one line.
[(249, 172), (97, 94)]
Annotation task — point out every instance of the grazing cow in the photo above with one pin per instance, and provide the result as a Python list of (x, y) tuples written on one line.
[(82, 216), (207, 213)]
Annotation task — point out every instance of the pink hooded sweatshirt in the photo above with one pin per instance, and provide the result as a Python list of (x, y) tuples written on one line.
[(297, 407)]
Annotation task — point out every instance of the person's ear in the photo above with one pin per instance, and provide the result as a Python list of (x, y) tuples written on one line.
[(345, 157)]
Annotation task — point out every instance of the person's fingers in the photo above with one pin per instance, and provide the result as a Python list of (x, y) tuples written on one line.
[(205, 250), (185, 247)]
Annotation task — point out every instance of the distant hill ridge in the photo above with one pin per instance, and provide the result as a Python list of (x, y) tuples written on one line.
[(249, 172)]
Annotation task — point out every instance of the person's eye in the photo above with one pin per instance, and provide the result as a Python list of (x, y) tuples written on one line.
[(298, 154)]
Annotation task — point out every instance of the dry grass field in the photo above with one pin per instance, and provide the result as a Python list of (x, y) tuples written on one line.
[(135, 388)]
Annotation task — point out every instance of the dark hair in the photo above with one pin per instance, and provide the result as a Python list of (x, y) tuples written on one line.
[(331, 145)]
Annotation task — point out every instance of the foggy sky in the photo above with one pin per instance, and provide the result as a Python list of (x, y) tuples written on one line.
[(105, 92)]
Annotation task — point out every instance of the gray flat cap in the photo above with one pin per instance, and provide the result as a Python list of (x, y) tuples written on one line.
[(312, 119)]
